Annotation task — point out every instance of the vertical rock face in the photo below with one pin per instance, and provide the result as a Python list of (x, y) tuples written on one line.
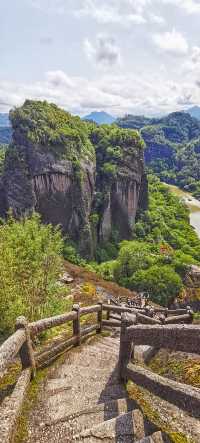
[(123, 203), (121, 181), (51, 167)]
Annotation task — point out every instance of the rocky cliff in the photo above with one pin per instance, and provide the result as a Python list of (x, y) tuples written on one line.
[(172, 147), (51, 167)]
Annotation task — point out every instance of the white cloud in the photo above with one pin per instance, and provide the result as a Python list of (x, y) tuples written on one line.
[(104, 52), (173, 42), (121, 12), (118, 94), (190, 6), (156, 19), (53, 6)]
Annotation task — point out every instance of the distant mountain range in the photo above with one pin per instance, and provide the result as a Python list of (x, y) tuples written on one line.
[(100, 117), (194, 112)]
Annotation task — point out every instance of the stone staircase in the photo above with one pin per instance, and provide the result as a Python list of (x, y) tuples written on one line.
[(84, 401)]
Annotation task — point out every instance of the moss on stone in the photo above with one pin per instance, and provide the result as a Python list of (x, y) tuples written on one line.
[(153, 416), (7, 382), (31, 399), (177, 367)]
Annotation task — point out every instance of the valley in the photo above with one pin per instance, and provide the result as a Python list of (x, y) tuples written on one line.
[(192, 204), (83, 223)]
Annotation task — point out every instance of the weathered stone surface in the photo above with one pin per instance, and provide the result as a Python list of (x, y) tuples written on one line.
[(192, 279), (10, 348), (66, 278), (154, 438), (182, 395), (11, 407), (51, 168), (84, 402), (177, 337), (144, 353), (123, 200), (124, 428)]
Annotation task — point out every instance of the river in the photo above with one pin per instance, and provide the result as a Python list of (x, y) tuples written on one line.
[(192, 203)]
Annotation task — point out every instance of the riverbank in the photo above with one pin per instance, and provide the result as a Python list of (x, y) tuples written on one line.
[(192, 203)]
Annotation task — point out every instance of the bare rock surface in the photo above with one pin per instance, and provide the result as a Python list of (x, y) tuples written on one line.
[(84, 401)]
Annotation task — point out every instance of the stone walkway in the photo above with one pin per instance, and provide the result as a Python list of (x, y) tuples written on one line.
[(83, 401)]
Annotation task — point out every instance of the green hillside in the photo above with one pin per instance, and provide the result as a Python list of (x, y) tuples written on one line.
[(172, 148)]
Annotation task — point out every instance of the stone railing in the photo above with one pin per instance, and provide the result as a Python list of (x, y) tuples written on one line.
[(21, 346), (176, 337)]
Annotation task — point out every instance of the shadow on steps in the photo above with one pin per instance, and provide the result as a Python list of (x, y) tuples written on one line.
[(117, 402)]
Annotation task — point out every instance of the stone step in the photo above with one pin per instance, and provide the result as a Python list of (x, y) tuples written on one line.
[(76, 397), (125, 428), (80, 378), (96, 414), (70, 373), (111, 340), (105, 350), (94, 359), (114, 343), (156, 437), (109, 349)]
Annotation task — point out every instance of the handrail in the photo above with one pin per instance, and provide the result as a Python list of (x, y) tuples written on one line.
[(20, 341), (151, 330), (10, 348), (47, 323), (176, 337)]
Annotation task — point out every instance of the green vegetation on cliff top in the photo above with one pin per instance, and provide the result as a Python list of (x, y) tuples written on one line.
[(51, 129)]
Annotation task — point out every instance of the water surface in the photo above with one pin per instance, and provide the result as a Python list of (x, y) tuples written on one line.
[(192, 203)]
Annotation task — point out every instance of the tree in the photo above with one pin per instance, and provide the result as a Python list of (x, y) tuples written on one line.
[(162, 283), (30, 262)]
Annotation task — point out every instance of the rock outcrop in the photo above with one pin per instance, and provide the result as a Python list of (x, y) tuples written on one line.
[(121, 183), (50, 167)]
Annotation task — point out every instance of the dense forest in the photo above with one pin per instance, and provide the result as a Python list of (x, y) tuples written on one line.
[(161, 243), (172, 148), (162, 247)]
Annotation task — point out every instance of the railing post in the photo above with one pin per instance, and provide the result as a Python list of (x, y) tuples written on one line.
[(191, 313), (108, 312), (77, 324), (100, 318), (125, 348), (26, 352)]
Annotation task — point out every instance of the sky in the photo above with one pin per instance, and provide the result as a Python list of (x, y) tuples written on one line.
[(120, 56)]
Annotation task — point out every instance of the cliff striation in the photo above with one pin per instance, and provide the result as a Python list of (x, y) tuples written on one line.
[(86, 179)]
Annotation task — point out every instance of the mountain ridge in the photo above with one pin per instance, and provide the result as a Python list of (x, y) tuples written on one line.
[(100, 117), (172, 147)]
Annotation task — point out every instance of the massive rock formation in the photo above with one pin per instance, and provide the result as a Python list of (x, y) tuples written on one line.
[(50, 167), (121, 183)]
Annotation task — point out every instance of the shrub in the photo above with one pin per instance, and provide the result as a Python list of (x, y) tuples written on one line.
[(30, 263), (162, 283)]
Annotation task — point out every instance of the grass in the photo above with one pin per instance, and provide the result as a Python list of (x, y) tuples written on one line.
[(153, 416), (177, 367), (32, 395)]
